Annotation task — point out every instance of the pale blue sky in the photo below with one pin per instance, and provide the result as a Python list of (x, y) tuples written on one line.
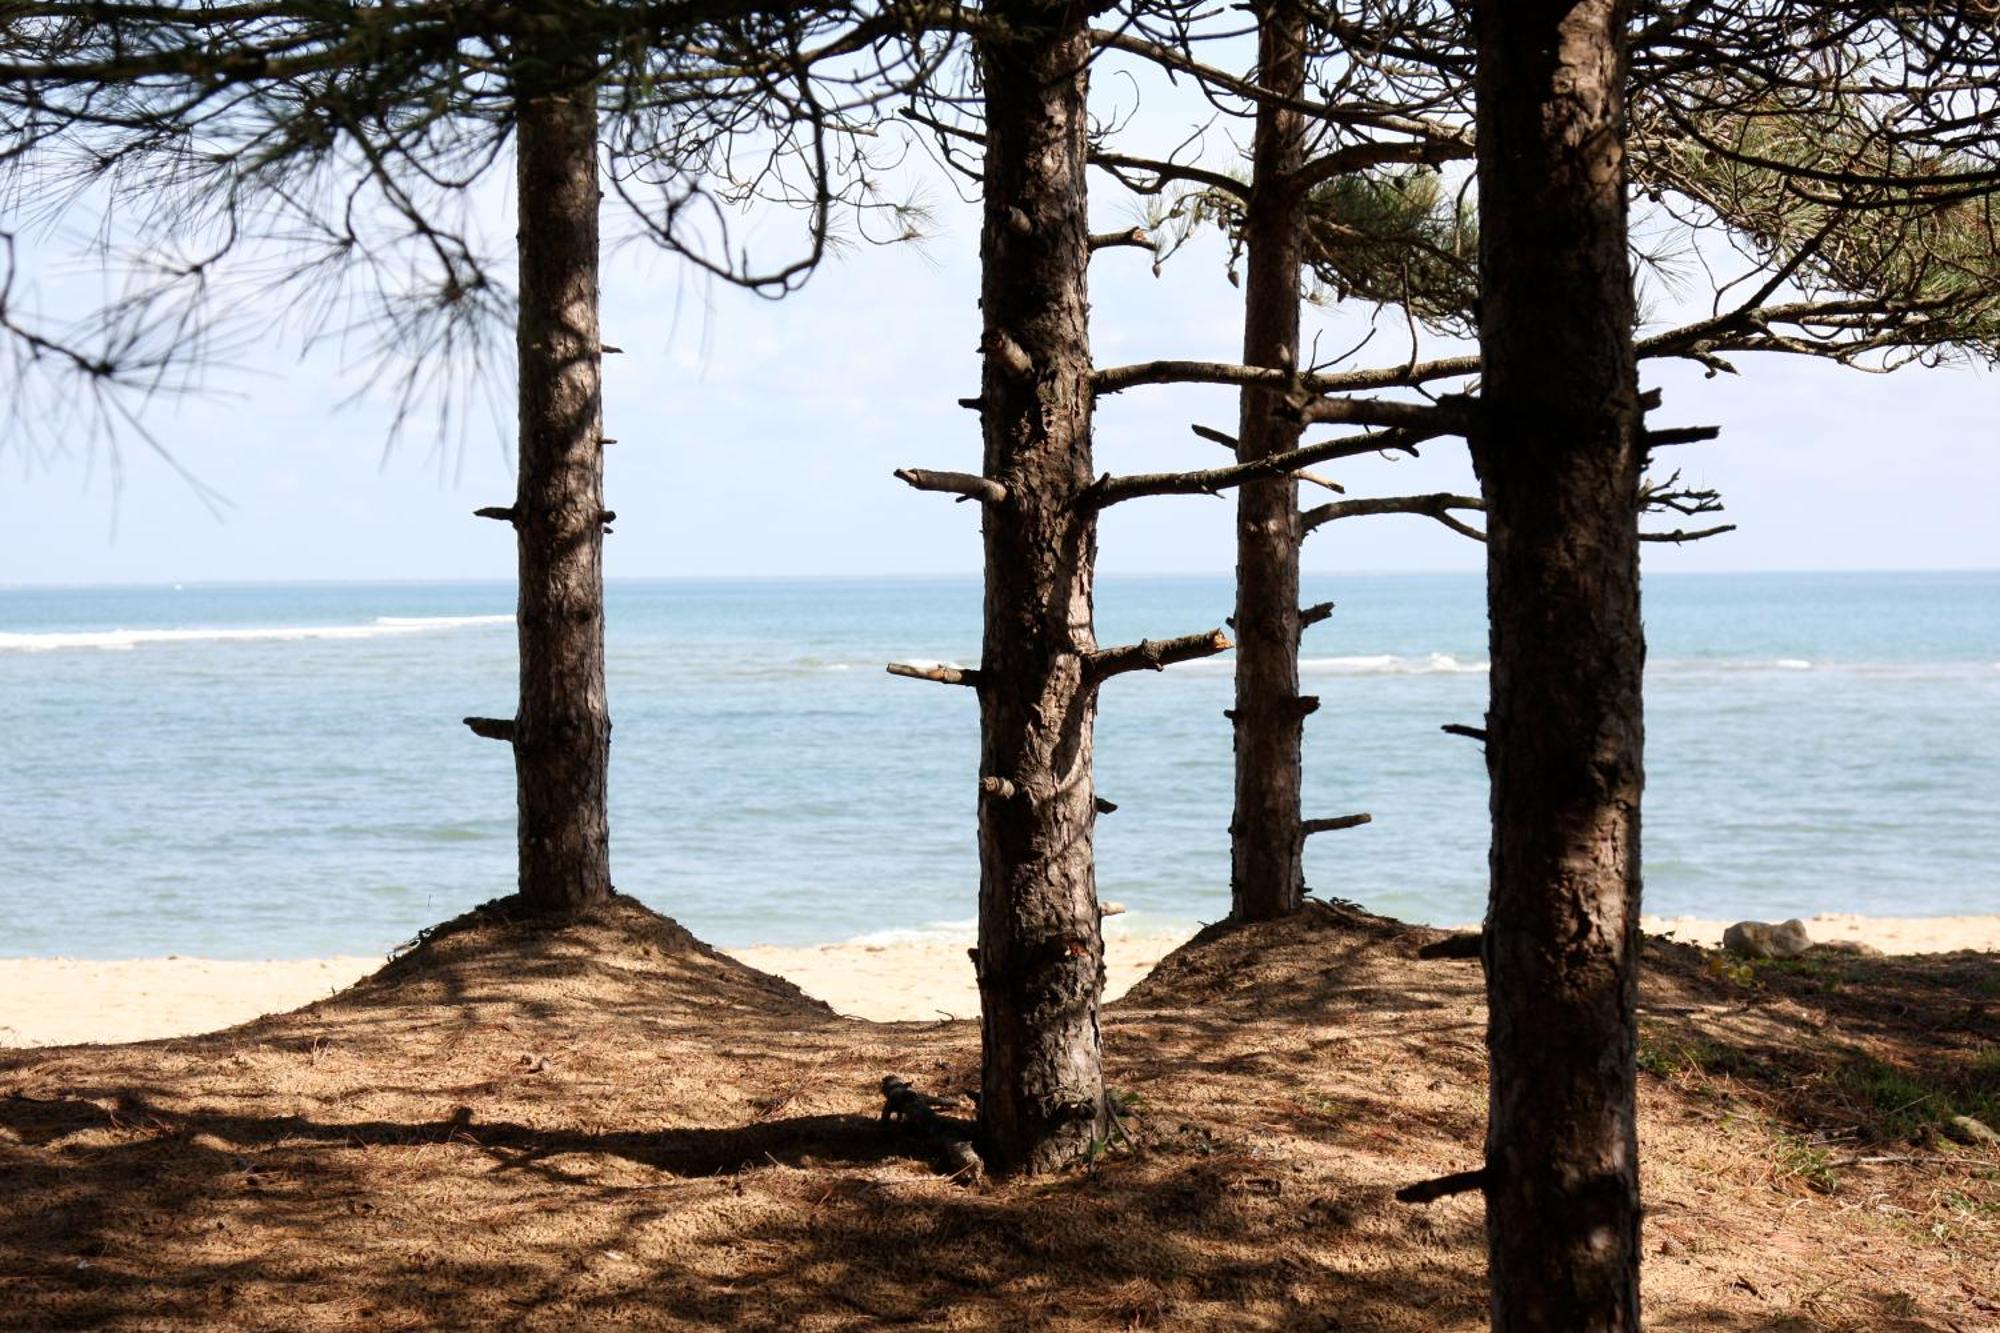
[(758, 439)]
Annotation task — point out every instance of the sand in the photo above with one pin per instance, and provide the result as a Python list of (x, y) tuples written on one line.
[(59, 1001), (612, 1126), (930, 976), (1890, 934)]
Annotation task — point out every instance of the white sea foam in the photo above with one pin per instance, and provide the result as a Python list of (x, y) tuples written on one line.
[(1390, 664), (1364, 664), (439, 622), (125, 640), (1697, 665), (948, 931), (1450, 664)]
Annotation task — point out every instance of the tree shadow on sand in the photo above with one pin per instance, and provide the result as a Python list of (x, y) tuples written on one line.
[(612, 1125)]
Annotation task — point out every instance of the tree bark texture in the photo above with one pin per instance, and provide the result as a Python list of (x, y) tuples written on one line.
[(1040, 957), (562, 734), (1558, 451), (1266, 871)]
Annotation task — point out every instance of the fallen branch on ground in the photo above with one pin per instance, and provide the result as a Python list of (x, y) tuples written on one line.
[(903, 1104)]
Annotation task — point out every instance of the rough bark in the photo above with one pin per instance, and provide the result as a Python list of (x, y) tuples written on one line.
[(1558, 453), (562, 732), (1040, 956), (1266, 872)]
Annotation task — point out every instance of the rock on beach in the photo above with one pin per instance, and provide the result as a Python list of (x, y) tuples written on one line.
[(1761, 939)]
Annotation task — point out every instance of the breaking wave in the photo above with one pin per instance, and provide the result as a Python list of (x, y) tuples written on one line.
[(124, 640)]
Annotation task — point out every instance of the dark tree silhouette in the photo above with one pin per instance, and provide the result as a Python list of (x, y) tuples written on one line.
[(1040, 962), (1558, 444), (562, 730), (1266, 846), (1040, 958)]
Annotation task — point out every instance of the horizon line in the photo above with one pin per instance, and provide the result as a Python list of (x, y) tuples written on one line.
[(948, 577)]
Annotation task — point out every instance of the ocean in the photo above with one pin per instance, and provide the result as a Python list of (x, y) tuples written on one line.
[(272, 771)]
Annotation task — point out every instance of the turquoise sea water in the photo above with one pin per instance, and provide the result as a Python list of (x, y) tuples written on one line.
[(274, 771)]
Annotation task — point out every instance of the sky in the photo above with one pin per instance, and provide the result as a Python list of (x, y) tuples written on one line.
[(757, 438)]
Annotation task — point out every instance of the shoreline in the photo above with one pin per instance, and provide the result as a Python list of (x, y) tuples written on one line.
[(921, 976)]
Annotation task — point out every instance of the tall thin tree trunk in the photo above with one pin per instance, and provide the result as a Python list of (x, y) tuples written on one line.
[(1558, 453), (562, 732), (1267, 877), (1040, 957)]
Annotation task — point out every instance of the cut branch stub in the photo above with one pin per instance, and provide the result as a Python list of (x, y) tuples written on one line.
[(1156, 654), (940, 672), (1105, 807), (492, 728), (1460, 729), (1137, 237), (1214, 436), (1009, 354), (1312, 615), (1308, 827), (1683, 535), (998, 788), (1655, 439), (504, 513), (965, 485)]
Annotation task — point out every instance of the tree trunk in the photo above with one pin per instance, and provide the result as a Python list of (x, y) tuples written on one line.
[(1558, 453), (1266, 876), (562, 732), (1040, 957)]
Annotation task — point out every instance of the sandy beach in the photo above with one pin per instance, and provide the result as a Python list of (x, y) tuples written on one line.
[(58, 1001)]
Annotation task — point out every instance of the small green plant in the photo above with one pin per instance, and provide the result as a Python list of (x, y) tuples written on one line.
[(1900, 1106), (1825, 971), (1668, 1057), (1800, 1159), (1679, 1056), (1968, 1206), (1737, 971)]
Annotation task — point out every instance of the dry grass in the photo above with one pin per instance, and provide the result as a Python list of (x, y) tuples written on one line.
[(613, 1125)]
